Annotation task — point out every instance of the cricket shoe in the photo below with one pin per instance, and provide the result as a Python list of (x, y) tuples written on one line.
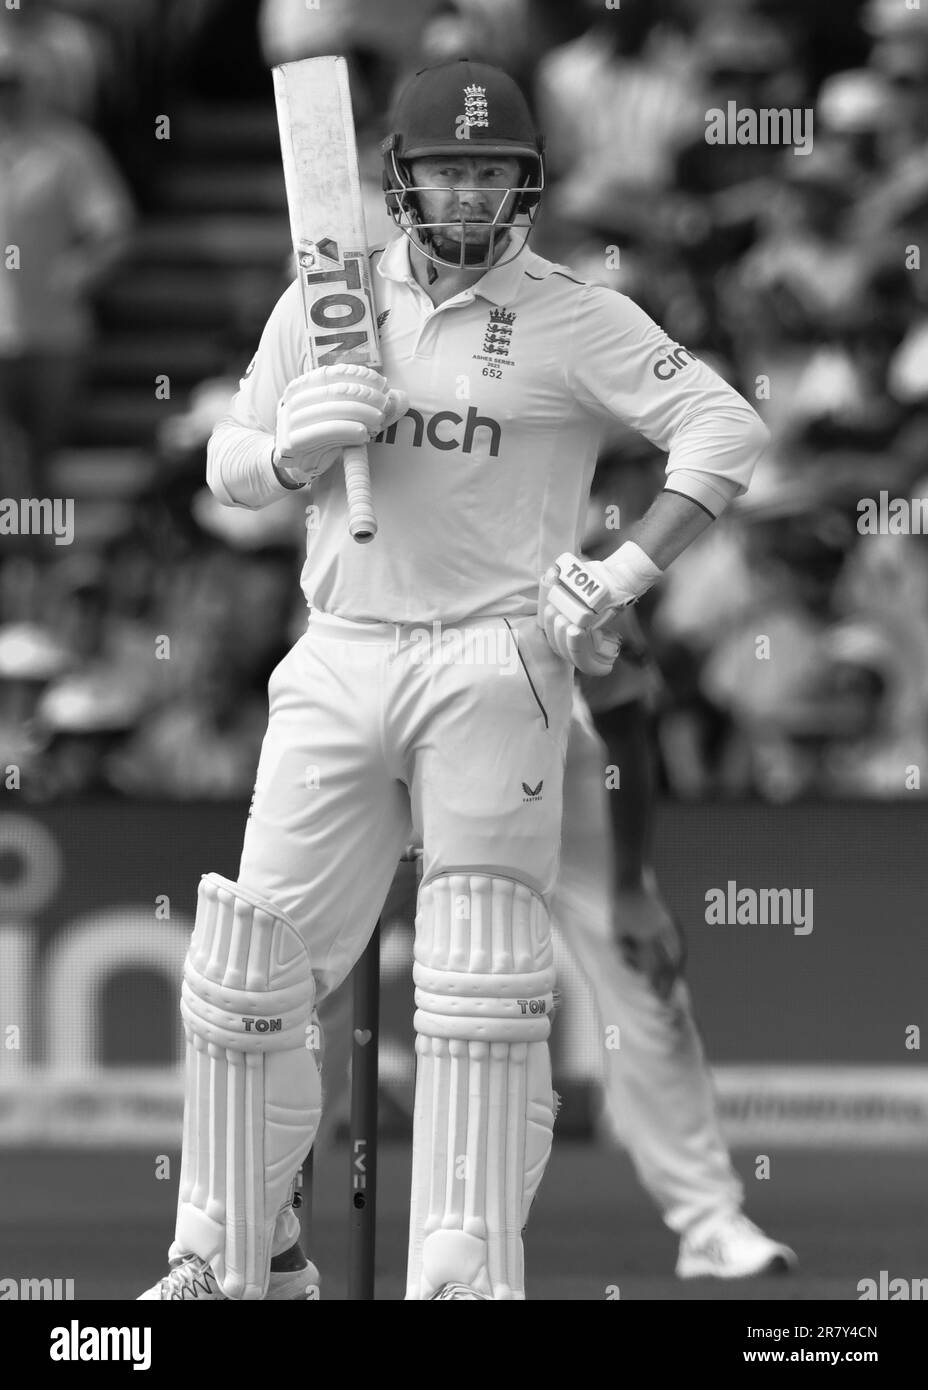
[(732, 1247), (458, 1291), (190, 1280)]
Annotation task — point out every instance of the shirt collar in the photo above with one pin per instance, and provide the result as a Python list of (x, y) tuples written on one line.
[(498, 285)]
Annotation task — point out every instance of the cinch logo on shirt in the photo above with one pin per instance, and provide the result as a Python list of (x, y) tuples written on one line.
[(444, 420), (666, 367)]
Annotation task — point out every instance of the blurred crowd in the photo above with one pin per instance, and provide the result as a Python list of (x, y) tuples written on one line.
[(793, 646)]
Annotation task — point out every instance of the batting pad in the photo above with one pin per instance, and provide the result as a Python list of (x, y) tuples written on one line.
[(484, 1110), (253, 1096)]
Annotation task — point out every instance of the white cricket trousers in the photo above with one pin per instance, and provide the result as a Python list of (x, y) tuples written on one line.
[(658, 1089), (380, 734)]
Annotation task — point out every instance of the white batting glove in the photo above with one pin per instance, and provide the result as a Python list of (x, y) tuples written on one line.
[(578, 598), (327, 409)]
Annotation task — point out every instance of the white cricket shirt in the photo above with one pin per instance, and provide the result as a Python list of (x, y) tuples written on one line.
[(485, 481)]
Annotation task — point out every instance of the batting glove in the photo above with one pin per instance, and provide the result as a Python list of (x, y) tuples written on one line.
[(326, 409), (577, 600)]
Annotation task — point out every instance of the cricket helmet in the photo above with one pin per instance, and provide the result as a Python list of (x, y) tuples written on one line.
[(469, 110)]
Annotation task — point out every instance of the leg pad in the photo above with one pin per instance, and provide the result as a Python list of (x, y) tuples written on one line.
[(253, 1094), (484, 1110)]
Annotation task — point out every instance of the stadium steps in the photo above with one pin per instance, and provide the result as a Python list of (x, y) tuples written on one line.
[(219, 132), (242, 241), (190, 298), (121, 418), (210, 251), (105, 474), (235, 187), (125, 359)]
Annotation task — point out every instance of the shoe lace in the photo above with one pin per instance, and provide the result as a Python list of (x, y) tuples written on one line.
[(189, 1276)]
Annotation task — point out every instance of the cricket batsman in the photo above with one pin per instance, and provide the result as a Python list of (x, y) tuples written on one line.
[(500, 373)]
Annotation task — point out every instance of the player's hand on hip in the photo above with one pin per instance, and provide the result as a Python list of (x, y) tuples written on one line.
[(327, 409), (579, 599), (576, 598)]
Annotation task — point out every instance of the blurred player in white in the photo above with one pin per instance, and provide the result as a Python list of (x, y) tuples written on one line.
[(609, 909), (500, 373)]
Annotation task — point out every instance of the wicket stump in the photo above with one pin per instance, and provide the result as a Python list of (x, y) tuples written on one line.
[(362, 1139)]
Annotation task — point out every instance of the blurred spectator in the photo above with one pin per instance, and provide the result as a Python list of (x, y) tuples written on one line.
[(746, 59), (488, 31), (885, 581), (30, 658), (68, 59), (803, 308), (207, 743), (615, 105), (79, 721), (290, 32), (908, 370), (900, 56), (800, 270), (105, 650), (855, 114), (384, 29), (885, 734), (770, 672), (65, 210)]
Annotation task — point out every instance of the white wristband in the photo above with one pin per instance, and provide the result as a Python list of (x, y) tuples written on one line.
[(632, 571)]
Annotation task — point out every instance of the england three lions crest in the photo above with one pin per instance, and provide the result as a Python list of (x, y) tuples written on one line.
[(497, 338), (475, 113)]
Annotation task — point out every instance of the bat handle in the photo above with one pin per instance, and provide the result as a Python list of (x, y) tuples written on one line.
[(361, 520)]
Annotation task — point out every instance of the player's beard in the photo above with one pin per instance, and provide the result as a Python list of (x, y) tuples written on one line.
[(479, 250), (475, 252)]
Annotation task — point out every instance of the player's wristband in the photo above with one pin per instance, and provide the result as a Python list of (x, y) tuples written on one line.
[(632, 571)]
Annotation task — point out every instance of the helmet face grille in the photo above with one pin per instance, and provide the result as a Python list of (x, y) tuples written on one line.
[(402, 198)]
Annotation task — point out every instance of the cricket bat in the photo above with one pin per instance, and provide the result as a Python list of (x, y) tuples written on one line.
[(320, 160)]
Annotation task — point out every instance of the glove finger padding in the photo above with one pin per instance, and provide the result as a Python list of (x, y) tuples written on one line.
[(323, 415), (555, 626), (353, 373), (303, 450), (544, 588), (337, 397), (396, 408), (593, 652), (326, 410)]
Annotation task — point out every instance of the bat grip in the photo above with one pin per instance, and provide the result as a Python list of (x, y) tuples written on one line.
[(361, 520)]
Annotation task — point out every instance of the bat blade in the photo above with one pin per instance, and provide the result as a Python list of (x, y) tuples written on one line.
[(320, 161)]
